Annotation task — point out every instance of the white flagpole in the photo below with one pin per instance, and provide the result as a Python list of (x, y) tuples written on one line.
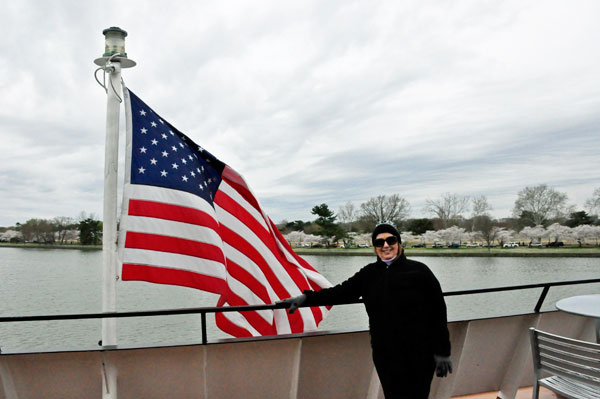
[(109, 227), (113, 60)]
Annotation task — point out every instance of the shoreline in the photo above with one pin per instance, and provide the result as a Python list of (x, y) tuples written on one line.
[(574, 252), (472, 255)]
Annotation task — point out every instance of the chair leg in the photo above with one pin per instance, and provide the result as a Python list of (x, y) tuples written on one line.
[(535, 393)]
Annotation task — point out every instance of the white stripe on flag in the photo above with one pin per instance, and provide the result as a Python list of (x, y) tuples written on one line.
[(174, 261), (142, 224), (246, 263), (240, 228), (241, 201), (169, 196), (244, 292)]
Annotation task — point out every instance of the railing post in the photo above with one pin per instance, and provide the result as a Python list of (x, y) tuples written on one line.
[(538, 306), (203, 320)]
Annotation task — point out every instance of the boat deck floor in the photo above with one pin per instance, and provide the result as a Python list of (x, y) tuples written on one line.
[(523, 393)]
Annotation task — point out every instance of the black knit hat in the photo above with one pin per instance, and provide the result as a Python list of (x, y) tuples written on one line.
[(385, 227)]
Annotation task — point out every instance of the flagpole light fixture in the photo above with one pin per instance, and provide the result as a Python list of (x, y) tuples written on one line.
[(114, 48)]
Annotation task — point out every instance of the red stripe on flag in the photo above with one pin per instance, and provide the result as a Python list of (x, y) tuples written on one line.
[(284, 242), (156, 242), (227, 326), (296, 322), (248, 279), (237, 182), (239, 243), (160, 275), (255, 320), (232, 207), (176, 213), (317, 313)]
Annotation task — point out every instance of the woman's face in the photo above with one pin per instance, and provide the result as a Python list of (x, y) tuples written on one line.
[(387, 251)]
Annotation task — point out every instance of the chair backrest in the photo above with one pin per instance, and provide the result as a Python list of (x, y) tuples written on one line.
[(565, 357)]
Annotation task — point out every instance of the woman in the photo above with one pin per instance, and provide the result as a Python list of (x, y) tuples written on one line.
[(407, 316)]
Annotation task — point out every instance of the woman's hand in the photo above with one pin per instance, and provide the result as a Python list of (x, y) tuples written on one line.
[(294, 302), (443, 365)]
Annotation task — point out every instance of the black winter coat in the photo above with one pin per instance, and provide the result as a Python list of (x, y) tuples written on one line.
[(404, 303)]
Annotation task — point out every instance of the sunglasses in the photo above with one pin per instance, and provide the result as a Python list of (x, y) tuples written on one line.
[(380, 242)]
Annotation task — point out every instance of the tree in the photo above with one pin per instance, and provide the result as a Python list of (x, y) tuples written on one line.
[(326, 222), (432, 236), (27, 230), (62, 225), (583, 232), (38, 230), (558, 232), (483, 226), (452, 234), (534, 233), (386, 209), (347, 215), (593, 203), (487, 231), (503, 235), (539, 204), (296, 225), (578, 218), (480, 206), (419, 226), (301, 237), (90, 231), (11, 236), (449, 208)]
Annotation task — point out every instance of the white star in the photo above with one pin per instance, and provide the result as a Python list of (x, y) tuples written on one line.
[(184, 178), (203, 169), (143, 150), (175, 166), (153, 161), (163, 173), (143, 113), (198, 170), (165, 154), (154, 142), (201, 188), (143, 130), (172, 134), (200, 149), (192, 173), (190, 157), (164, 136), (209, 181), (184, 161), (161, 121), (174, 148), (154, 124), (181, 145), (141, 170), (205, 185)]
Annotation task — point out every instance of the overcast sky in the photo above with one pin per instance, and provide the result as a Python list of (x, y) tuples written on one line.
[(311, 101)]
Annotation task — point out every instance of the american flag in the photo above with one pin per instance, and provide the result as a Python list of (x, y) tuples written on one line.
[(189, 219)]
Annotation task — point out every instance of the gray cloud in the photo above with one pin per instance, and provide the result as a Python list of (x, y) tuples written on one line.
[(312, 102)]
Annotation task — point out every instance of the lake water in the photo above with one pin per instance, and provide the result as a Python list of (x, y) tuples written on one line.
[(54, 281)]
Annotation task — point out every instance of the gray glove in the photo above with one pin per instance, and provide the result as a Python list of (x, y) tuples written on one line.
[(443, 365), (294, 302)]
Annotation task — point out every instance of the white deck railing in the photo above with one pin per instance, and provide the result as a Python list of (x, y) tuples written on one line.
[(488, 355)]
